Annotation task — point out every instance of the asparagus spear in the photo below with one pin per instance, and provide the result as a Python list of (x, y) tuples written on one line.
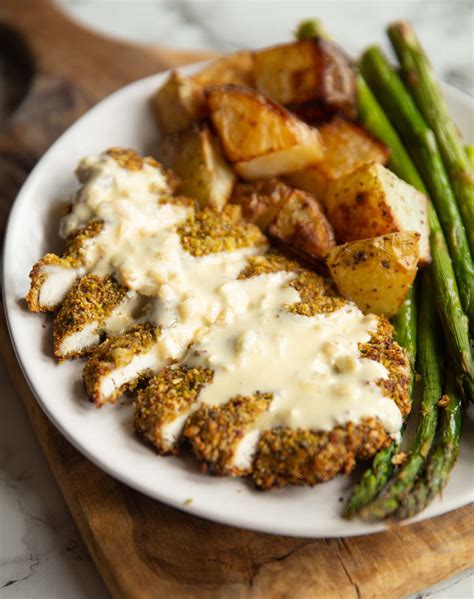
[(442, 459), (421, 144), (421, 82), (404, 324), (374, 118), (470, 155), (428, 365), (455, 323), (311, 28), (372, 481)]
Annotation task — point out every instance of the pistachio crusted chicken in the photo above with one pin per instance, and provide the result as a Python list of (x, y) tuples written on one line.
[(140, 274), (252, 360), (291, 391)]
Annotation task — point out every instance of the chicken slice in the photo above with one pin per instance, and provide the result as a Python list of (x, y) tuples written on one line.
[(52, 277), (223, 437), (81, 321), (301, 457), (162, 407), (120, 362)]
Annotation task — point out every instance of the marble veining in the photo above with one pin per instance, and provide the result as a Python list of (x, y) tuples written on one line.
[(41, 552)]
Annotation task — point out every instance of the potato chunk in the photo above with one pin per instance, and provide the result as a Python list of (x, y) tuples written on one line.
[(301, 225), (347, 146), (376, 273), (196, 157), (259, 136), (288, 73), (237, 68), (261, 200), (307, 71), (178, 103), (372, 201)]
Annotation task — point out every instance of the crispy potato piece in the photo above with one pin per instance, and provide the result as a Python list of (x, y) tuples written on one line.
[(347, 146), (237, 68), (260, 136), (261, 200), (196, 157), (178, 103), (291, 216), (302, 225), (310, 71), (376, 273), (288, 73), (372, 201)]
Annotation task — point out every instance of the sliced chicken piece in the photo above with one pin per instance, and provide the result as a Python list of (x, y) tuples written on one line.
[(120, 362), (223, 437), (301, 457), (162, 407), (81, 321), (53, 277)]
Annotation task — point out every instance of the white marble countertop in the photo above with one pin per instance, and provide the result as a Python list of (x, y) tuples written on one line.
[(41, 552)]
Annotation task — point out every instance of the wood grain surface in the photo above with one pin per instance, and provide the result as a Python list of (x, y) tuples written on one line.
[(144, 549)]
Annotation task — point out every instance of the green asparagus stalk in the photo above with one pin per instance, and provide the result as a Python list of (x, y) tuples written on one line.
[(372, 481), (372, 116), (404, 324), (446, 292), (421, 82), (311, 28), (429, 367), (470, 155), (421, 143), (443, 458)]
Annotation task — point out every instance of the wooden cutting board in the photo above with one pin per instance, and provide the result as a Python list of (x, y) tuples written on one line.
[(144, 549)]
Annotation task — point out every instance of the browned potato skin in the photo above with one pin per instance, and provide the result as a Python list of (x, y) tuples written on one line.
[(376, 273), (196, 157), (261, 200), (308, 74), (258, 135), (237, 69), (302, 225), (347, 146), (372, 201), (178, 103)]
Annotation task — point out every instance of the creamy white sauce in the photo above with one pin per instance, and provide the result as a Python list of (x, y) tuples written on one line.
[(239, 328), (311, 365), (140, 246), (135, 243)]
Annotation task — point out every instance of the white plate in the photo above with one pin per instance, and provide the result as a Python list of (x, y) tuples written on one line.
[(105, 436)]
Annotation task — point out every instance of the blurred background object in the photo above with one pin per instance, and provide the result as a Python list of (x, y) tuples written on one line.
[(227, 25)]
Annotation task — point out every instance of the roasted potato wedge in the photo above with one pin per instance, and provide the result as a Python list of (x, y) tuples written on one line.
[(196, 157), (259, 136), (347, 146), (261, 200), (178, 103), (237, 68), (302, 225), (372, 201), (314, 70), (376, 273)]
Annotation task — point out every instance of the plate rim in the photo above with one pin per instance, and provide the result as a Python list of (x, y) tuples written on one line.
[(236, 520)]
